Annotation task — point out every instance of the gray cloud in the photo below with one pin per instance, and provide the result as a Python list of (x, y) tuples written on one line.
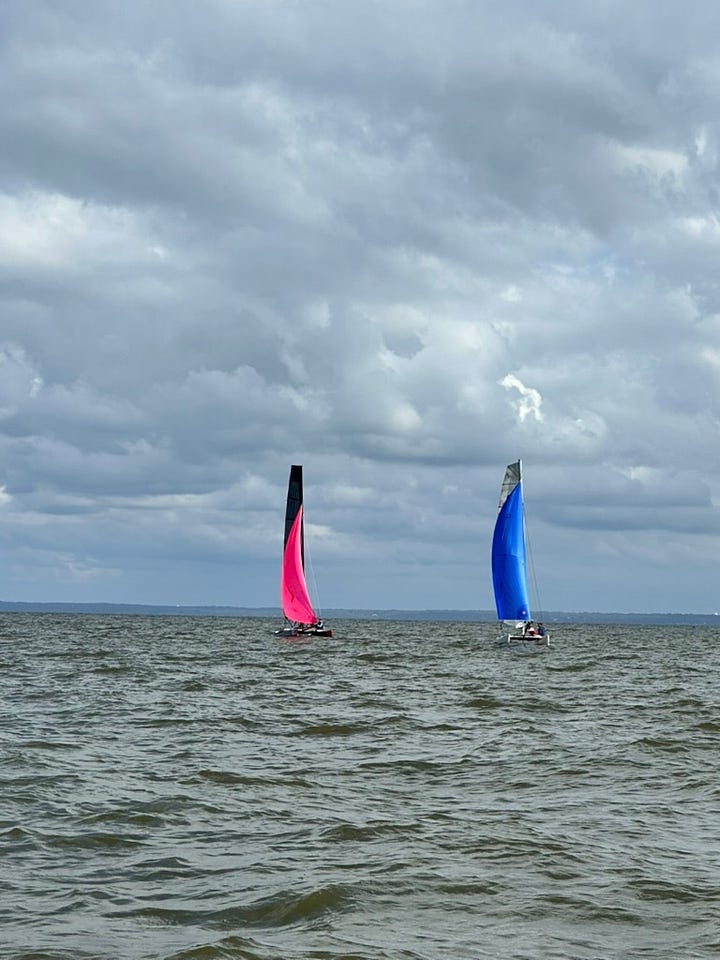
[(402, 245)]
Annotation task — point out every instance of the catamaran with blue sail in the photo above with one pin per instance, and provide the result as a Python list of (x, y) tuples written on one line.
[(509, 566)]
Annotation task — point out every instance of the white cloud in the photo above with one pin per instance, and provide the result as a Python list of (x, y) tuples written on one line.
[(55, 233), (529, 403), (660, 163)]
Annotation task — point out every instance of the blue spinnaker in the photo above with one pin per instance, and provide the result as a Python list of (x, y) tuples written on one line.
[(508, 559)]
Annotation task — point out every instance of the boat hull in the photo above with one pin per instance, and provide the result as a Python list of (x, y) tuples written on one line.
[(299, 632), (526, 644)]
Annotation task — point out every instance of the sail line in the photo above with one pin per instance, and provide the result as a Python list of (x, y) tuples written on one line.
[(535, 589)]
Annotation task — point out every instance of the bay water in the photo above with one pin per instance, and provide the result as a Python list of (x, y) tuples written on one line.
[(182, 788)]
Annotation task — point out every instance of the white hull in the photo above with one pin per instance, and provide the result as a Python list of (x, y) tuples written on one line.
[(526, 644)]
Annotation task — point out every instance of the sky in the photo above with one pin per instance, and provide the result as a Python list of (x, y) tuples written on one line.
[(402, 243)]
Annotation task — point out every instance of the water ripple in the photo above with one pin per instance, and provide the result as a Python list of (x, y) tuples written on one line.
[(197, 789)]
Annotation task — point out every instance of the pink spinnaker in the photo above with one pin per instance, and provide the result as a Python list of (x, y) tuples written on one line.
[(293, 589)]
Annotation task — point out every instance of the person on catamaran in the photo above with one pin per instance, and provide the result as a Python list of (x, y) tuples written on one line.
[(319, 625), (530, 630), (540, 630)]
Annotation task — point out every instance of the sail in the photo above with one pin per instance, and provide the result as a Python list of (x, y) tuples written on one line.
[(294, 503), (508, 550), (294, 597)]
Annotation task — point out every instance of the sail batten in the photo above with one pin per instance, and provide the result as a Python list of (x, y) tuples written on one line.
[(509, 566)]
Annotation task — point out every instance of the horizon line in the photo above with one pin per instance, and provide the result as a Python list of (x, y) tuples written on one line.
[(339, 612)]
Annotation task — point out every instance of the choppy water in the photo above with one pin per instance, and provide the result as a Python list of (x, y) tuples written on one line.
[(196, 789)]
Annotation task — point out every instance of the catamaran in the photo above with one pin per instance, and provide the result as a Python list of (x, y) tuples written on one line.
[(509, 567), (300, 617)]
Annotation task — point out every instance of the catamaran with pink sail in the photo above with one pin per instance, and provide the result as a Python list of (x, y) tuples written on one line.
[(300, 617)]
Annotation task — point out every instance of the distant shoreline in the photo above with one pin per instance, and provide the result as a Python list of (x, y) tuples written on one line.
[(463, 616)]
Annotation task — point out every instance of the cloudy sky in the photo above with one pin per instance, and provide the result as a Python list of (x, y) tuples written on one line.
[(400, 242)]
